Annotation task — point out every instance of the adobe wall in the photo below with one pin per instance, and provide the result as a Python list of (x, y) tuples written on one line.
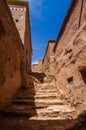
[(75, 17), (70, 69), (20, 14), (28, 42), (37, 67), (70, 55), (48, 61), (12, 58)]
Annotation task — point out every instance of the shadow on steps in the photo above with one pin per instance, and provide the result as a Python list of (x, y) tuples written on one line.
[(23, 102), (12, 123)]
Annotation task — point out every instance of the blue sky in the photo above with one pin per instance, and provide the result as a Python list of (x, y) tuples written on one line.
[(46, 19)]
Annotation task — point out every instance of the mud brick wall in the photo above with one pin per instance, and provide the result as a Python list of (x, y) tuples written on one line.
[(12, 58)]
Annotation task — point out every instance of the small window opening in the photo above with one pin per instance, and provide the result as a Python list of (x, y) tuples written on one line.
[(83, 74), (70, 80), (17, 20)]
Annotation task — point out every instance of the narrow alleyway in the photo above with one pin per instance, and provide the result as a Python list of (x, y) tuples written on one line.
[(38, 107)]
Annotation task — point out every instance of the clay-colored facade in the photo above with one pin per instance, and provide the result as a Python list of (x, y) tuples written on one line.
[(12, 56), (37, 67), (70, 55), (48, 60), (66, 59), (20, 14), (75, 17)]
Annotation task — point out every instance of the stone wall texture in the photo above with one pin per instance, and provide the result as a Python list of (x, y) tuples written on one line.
[(67, 62), (12, 56), (70, 69), (70, 55), (75, 17)]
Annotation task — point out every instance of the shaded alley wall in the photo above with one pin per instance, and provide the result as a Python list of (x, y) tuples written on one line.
[(12, 58)]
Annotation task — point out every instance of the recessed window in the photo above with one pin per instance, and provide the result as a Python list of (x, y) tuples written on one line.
[(70, 80), (17, 20), (83, 74)]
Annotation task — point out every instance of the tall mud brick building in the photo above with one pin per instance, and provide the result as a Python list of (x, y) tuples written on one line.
[(70, 55), (15, 47), (20, 14)]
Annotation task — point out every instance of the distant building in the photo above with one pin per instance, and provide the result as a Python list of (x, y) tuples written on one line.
[(37, 67), (20, 14), (48, 59)]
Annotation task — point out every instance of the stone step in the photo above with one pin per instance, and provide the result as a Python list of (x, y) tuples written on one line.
[(46, 91), (43, 118), (38, 102), (14, 107), (64, 112), (23, 95), (48, 114), (47, 97), (17, 113), (49, 87), (47, 94), (52, 111), (38, 94), (37, 97)]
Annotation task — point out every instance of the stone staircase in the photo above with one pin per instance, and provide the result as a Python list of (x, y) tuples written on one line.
[(39, 102)]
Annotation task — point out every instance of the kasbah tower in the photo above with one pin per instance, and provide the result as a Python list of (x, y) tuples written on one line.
[(20, 14)]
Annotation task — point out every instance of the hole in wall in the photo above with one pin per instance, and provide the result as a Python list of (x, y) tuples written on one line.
[(17, 20), (73, 61), (83, 74), (70, 80), (67, 51)]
